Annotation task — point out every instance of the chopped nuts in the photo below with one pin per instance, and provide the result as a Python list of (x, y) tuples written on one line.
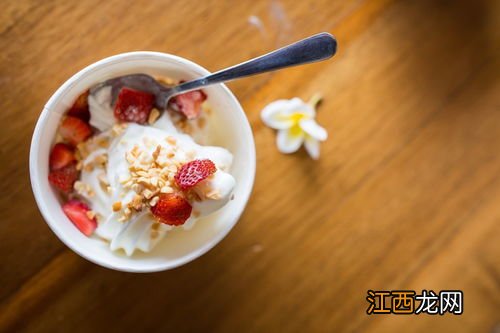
[(156, 153), (148, 194), (206, 109), (83, 189), (154, 181), (91, 214), (154, 201), (152, 171), (153, 116), (117, 206), (103, 142), (126, 215), (102, 179), (201, 122), (137, 188), (166, 189), (135, 151), (171, 140), (215, 195), (136, 203), (142, 173), (166, 81), (143, 181), (154, 229), (82, 150), (123, 180), (130, 158), (118, 129), (101, 159)]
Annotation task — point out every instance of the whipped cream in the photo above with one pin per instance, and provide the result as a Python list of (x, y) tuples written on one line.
[(105, 177)]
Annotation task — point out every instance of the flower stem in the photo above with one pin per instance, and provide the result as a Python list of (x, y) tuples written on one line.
[(315, 100)]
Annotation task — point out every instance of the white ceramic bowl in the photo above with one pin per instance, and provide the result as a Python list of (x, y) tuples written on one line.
[(178, 247)]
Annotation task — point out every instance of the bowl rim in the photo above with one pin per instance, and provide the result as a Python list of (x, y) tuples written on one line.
[(35, 174)]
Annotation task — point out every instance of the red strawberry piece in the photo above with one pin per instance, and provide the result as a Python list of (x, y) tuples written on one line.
[(194, 172), (64, 178), (133, 105), (74, 130), (189, 103), (60, 156), (172, 209), (76, 211), (80, 108)]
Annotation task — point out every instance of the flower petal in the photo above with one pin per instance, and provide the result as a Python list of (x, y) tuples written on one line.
[(273, 115), (311, 127), (312, 147), (289, 140), (296, 105), (279, 114)]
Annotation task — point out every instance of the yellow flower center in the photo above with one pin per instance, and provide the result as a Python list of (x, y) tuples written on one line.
[(296, 117), (295, 130)]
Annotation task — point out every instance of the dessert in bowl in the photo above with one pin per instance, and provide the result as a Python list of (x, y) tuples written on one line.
[(130, 186)]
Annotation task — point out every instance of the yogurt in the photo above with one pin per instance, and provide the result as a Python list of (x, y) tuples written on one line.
[(127, 163)]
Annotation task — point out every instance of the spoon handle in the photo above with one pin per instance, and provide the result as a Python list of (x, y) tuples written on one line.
[(315, 48)]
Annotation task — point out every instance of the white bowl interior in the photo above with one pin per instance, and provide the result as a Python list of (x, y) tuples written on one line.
[(179, 246)]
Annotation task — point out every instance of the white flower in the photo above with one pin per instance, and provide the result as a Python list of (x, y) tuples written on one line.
[(294, 120)]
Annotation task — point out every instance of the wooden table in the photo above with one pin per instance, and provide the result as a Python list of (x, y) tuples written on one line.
[(406, 194)]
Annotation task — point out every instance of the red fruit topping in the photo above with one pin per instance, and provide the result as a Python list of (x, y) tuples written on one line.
[(133, 106), (64, 178), (74, 130), (80, 108), (172, 209), (60, 156), (189, 103), (194, 172), (76, 211)]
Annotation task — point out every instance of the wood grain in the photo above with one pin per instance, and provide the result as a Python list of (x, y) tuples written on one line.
[(406, 194)]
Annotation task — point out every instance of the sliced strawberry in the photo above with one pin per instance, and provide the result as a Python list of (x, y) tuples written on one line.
[(172, 209), (189, 103), (80, 108), (194, 172), (64, 178), (133, 106), (60, 156), (74, 130), (76, 211)]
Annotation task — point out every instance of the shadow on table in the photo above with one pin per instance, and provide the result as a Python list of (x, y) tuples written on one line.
[(193, 297), (458, 42)]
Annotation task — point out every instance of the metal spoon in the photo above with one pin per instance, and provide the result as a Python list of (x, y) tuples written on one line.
[(315, 48)]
